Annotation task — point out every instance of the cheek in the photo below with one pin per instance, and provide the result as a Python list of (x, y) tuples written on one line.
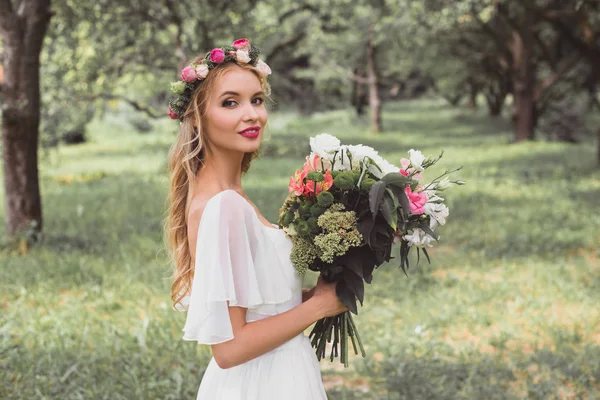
[(222, 120)]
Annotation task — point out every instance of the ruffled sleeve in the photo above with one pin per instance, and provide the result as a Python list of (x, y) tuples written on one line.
[(232, 264)]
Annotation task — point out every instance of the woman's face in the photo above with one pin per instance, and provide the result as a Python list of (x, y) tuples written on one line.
[(236, 114)]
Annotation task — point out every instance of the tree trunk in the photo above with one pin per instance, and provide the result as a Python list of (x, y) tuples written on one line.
[(473, 93), (374, 99), (23, 32), (598, 146), (524, 81)]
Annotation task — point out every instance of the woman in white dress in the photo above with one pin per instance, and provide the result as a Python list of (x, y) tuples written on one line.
[(232, 271)]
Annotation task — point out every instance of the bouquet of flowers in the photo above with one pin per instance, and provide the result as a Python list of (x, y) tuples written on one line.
[(347, 206)]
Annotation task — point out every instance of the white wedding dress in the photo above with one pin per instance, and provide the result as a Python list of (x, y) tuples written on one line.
[(243, 261)]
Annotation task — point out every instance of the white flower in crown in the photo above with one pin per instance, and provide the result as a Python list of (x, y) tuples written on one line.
[(242, 56), (201, 71), (263, 68)]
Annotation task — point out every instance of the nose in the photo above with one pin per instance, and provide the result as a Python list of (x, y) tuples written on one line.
[(250, 113)]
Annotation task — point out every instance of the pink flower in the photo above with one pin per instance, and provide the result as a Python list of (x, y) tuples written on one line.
[(173, 114), (263, 68), (404, 163), (217, 55), (417, 201), (201, 71), (242, 44), (242, 56), (188, 74), (297, 182)]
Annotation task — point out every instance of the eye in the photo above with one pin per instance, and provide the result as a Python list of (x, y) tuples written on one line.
[(258, 100), (228, 103)]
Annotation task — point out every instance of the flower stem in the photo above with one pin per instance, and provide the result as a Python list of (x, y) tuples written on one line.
[(362, 349)]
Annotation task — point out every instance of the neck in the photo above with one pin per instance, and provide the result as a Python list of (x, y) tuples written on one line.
[(221, 171)]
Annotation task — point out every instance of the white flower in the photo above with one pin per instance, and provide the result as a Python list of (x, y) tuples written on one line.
[(443, 184), (416, 159), (419, 238), (201, 71), (242, 56), (437, 211), (432, 196), (263, 68), (325, 145)]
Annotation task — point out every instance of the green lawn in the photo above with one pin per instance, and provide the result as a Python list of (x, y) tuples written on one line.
[(507, 309)]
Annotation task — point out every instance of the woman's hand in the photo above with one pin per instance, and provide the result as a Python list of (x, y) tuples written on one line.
[(329, 302)]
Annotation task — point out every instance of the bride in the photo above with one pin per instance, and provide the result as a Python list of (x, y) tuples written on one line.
[(232, 271)]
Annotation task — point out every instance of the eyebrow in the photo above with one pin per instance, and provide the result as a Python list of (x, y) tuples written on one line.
[(229, 93)]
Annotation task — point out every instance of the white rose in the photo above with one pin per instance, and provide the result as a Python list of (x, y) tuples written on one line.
[(325, 145), (438, 211), (443, 184), (242, 56), (419, 238), (342, 162), (263, 68), (416, 159), (201, 71)]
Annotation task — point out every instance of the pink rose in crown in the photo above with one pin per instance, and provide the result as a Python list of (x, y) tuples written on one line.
[(188, 74), (201, 71), (242, 44), (173, 114), (217, 56), (242, 56), (417, 201), (263, 68)]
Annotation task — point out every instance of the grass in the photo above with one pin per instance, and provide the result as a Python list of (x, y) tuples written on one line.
[(508, 309)]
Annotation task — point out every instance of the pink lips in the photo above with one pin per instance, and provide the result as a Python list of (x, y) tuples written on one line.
[(251, 132)]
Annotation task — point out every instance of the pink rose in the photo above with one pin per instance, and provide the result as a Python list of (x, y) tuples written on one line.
[(263, 68), (217, 56), (417, 201), (173, 114), (404, 163), (201, 71), (242, 44), (188, 74), (242, 56)]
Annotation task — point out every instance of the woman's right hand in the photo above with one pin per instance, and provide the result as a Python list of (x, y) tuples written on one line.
[(329, 303)]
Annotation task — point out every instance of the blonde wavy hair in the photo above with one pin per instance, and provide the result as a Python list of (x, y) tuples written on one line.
[(185, 159)]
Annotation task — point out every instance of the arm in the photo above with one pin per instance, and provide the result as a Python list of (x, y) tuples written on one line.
[(307, 294), (253, 339)]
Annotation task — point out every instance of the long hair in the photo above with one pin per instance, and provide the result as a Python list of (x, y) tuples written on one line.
[(185, 159)]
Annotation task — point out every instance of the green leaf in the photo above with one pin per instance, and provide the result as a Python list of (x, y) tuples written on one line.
[(427, 255), (376, 197), (396, 179), (425, 226), (346, 296), (388, 209), (355, 284)]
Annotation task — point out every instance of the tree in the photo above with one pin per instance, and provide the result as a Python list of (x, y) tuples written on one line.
[(580, 26), (23, 25)]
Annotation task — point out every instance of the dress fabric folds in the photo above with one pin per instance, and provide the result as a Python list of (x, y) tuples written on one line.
[(243, 261)]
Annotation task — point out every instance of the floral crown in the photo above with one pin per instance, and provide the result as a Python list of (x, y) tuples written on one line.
[(240, 52)]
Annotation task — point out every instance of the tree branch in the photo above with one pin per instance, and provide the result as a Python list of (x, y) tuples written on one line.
[(293, 11), (137, 106), (6, 16), (556, 76)]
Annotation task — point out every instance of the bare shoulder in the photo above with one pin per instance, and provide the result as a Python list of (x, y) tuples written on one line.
[(197, 205)]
